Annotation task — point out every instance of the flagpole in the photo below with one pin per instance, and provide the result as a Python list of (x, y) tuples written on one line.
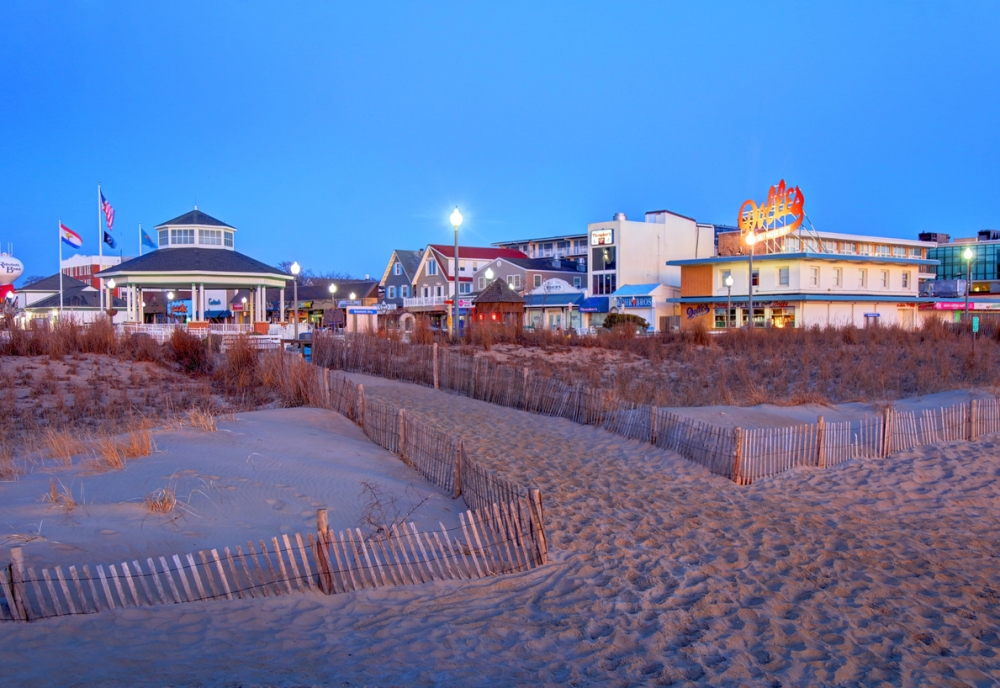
[(60, 272), (140, 239), (100, 245)]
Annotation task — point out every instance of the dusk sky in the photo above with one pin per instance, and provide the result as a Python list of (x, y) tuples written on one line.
[(333, 133)]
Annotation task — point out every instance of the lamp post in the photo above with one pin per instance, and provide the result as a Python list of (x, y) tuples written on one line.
[(967, 254), (489, 276), (169, 314), (751, 240), (729, 298), (295, 297), (355, 313), (111, 291), (333, 298), (244, 302), (456, 220)]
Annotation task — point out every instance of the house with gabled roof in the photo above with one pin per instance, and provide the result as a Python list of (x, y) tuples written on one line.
[(399, 276), (523, 274)]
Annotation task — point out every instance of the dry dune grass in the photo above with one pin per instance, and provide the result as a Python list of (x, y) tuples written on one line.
[(62, 498), (161, 501), (114, 451), (64, 444), (201, 419)]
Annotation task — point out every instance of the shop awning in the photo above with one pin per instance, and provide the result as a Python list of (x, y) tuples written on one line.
[(218, 314), (595, 304)]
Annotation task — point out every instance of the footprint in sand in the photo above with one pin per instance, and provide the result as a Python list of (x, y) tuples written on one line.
[(275, 504)]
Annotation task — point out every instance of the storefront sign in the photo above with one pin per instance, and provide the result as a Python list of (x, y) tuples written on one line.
[(344, 303), (634, 301), (386, 307), (602, 237), (693, 313), (363, 311), (973, 306), (781, 214), (873, 315)]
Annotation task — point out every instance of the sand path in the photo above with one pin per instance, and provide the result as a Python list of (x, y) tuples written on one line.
[(874, 573)]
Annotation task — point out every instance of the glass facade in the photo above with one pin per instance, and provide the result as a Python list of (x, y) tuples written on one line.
[(952, 266)]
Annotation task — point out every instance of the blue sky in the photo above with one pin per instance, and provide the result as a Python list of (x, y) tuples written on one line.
[(332, 133)]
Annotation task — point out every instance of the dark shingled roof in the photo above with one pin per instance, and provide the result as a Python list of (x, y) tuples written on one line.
[(77, 298), (52, 284), (195, 217), (410, 261), (192, 259), (498, 292)]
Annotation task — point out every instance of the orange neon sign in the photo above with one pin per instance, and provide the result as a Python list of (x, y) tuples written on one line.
[(781, 214)]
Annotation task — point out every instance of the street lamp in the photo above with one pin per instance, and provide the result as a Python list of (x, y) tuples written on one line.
[(111, 291), (729, 298), (456, 220), (967, 254), (489, 275), (169, 316), (751, 240), (295, 297)]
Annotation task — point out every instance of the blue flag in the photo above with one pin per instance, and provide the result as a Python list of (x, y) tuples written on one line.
[(110, 240), (147, 240)]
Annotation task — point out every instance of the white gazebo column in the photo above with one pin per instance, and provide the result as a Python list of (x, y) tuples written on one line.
[(263, 303), (193, 315), (203, 303), (139, 309), (281, 307)]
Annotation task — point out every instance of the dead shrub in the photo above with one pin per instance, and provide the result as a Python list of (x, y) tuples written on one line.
[(161, 501), (191, 352), (422, 332)]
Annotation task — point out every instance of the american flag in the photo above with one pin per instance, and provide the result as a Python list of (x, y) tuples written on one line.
[(109, 212)]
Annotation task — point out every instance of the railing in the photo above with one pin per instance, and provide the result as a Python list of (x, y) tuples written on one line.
[(424, 301), (288, 331)]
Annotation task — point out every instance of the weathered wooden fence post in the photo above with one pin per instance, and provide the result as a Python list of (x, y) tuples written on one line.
[(402, 436), (887, 430), (524, 390), (652, 425), (973, 425), (459, 451), (322, 553), (361, 405), (436, 378), (20, 610), (821, 442), (535, 503), (738, 456), (326, 388)]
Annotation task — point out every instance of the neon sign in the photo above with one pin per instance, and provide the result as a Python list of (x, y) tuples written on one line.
[(779, 215)]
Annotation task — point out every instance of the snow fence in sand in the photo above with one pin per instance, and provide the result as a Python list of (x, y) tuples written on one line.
[(742, 455)]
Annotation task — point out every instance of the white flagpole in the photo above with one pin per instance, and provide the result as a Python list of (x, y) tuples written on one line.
[(60, 272), (100, 245), (140, 238)]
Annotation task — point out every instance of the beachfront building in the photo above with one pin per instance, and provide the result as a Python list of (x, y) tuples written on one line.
[(524, 274), (554, 305), (399, 276), (651, 302), (196, 253), (80, 301), (433, 285), (953, 269), (317, 305), (566, 247), (499, 303), (801, 280), (85, 268)]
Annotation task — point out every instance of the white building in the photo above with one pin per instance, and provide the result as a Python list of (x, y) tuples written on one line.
[(820, 279)]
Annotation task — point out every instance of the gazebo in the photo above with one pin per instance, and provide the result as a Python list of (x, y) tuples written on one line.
[(499, 303), (196, 252)]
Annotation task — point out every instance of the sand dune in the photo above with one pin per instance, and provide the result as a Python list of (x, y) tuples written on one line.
[(873, 573)]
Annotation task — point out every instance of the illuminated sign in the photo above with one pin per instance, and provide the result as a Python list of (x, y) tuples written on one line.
[(693, 313), (779, 215), (634, 301), (602, 237)]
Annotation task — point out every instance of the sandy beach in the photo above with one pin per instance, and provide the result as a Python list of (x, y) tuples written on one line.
[(874, 573)]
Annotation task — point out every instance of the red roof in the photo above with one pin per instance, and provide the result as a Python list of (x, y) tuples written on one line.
[(475, 253)]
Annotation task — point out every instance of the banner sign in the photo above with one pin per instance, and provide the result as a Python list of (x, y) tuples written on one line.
[(363, 311), (634, 301), (694, 312), (973, 306), (779, 215), (602, 237)]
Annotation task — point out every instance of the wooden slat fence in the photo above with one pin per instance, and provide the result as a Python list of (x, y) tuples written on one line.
[(497, 538)]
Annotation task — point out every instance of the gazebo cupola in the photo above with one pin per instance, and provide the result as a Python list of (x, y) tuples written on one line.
[(195, 229)]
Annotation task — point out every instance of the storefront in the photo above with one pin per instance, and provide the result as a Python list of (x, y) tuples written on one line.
[(594, 310), (648, 301)]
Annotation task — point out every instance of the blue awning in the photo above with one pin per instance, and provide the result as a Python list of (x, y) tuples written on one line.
[(217, 314), (595, 304)]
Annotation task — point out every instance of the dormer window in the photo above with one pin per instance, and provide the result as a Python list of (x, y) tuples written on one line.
[(432, 268), (210, 237), (164, 237), (227, 239)]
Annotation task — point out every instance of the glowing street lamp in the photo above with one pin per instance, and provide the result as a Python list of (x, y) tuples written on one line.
[(295, 296), (968, 255), (751, 239), (456, 221), (729, 297), (489, 275)]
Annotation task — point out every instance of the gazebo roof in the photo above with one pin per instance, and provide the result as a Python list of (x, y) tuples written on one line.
[(195, 218), (51, 283), (74, 298), (498, 292), (186, 260)]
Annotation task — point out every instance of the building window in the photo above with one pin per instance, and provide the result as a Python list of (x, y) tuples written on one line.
[(227, 238), (427, 292), (849, 247), (906, 280), (604, 284), (724, 275), (899, 251), (914, 252), (755, 278), (538, 281), (813, 277), (514, 281), (577, 282), (210, 237), (782, 277), (482, 283), (392, 292), (181, 236), (465, 287), (838, 277), (829, 246), (603, 258), (862, 278), (811, 245), (882, 250), (164, 237), (397, 269), (432, 267), (864, 249), (438, 291), (792, 244), (404, 291), (885, 279)]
